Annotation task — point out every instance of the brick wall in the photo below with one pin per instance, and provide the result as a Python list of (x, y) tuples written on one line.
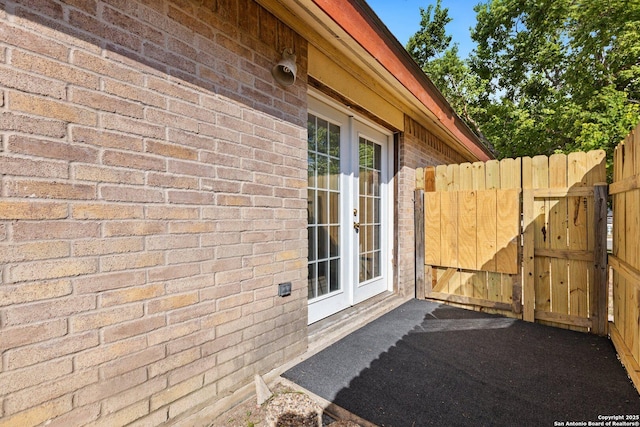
[(418, 148), (153, 195)]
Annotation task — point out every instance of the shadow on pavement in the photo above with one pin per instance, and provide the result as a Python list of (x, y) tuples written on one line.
[(427, 364)]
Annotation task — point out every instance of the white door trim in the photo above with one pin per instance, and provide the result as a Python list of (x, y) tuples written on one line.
[(351, 127), (368, 289)]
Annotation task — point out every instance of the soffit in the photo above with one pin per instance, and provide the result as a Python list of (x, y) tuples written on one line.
[(309, 20)]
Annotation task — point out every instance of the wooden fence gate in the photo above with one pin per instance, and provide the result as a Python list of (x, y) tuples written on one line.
[(525, 237), (625, 259)]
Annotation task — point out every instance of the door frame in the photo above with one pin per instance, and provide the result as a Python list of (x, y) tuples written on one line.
[(322, 106)]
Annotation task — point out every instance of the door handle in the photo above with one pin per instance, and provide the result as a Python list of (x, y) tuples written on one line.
[(356, 226)]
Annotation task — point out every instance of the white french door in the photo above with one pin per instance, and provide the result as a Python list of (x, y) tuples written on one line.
[(372, 216), (349, 210)]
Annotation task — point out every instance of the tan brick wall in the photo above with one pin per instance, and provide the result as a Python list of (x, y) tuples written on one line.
[(152, 196), (418, 148)]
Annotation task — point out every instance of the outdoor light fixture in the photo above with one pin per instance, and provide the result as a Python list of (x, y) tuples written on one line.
[(285, 70)]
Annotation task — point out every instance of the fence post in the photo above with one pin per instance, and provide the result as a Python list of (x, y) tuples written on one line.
[(528, 260), (516, 284), (418, 202), (600, 308)]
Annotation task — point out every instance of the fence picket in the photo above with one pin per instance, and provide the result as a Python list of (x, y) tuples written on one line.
[(597, 174), (577, 239), (510, 173), (486, 236), (466, 176), (627, 253), (557, 234), (449, 232), (540, 179), (494, 280), (432, 228), (467, 279), (510, 178), (430, 179), (441, 178), (492, 174), (528, 242), (479, 178), (453, 177), (619, 246), (507, 231), (634, 261), (468, 249)]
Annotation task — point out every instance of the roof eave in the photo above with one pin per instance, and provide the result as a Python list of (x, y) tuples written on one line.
[(357, 19)]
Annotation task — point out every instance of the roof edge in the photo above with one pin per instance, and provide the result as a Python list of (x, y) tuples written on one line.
[(360, 21)]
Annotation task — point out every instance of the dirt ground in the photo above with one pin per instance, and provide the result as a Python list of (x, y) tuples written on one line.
[(249, 414)]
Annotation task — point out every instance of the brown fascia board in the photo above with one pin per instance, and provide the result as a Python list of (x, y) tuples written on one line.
[(358, 20)]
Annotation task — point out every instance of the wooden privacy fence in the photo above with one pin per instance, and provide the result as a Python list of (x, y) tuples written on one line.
[(625, 259), (471, 217), (525, 237)]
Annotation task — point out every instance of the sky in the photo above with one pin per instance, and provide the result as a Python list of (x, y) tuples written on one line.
[(402, 17)]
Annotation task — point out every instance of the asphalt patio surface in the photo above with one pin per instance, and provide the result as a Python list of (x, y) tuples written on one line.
[(426, 364)]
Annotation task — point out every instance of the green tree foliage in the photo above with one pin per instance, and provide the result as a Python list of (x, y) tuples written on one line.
[(546, 76), (432, 38), (432, 50)]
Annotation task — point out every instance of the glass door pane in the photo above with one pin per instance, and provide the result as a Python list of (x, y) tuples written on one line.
[(370, 170), (323, 207)]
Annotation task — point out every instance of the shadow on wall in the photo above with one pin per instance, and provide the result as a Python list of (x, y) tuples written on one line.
[(185, 44)]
